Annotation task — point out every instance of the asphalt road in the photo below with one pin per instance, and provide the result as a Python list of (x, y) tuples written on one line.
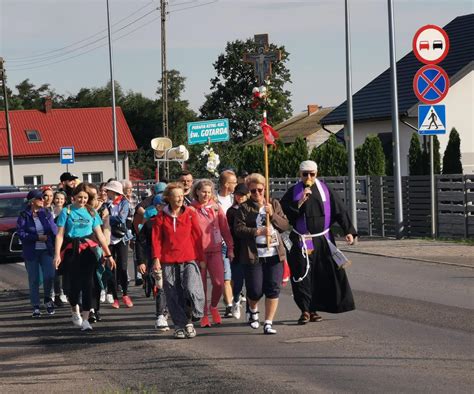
[(412, 332)]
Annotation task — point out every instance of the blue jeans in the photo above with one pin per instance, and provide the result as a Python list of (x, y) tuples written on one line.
[(227, 269), (44, 260)]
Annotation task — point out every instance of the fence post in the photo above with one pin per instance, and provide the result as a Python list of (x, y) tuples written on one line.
[(369, 204), (466, 213), (382, 208)]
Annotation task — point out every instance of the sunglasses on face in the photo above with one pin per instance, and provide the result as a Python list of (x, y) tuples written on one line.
[(305, 174), (253, 191)]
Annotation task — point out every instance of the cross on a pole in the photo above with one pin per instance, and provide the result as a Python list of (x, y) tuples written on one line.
[(262, 60)]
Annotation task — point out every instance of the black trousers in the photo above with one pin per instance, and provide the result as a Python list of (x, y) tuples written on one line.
[(81, 279), (120, 253)]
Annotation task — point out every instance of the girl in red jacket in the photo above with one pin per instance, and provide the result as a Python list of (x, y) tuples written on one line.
[(215, 229), (176, 251)]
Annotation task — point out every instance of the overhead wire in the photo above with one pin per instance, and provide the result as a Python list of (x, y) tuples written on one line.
[(26, 66), (19, 59)]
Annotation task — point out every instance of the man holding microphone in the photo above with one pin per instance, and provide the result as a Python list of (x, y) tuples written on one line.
[(319, 282)]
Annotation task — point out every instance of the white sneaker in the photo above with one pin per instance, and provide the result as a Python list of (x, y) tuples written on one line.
[(110, 298), (63, 298), (236, 310), (102, 296), (86, 326), (76, 319), (161, 324)]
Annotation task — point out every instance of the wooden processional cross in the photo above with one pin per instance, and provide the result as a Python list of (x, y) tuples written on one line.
[(262, 62)]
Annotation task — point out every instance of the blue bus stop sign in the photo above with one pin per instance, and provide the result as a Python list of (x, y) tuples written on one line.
[(208, 131), (66, 155)]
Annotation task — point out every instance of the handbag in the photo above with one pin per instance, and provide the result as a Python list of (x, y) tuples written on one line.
[(119, 230)]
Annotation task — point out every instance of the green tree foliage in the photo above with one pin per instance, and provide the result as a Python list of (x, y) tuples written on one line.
[(296, 153), (231, 91), (29, 96), (425, 157), (370, 159), (331, 158), (452, 155), (414, 156)]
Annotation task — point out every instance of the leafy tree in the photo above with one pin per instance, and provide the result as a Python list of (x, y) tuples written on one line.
[(414, 156), (331, 158), (296, 153), (370, 159), (29, 96), (452, 155), (231, 91)]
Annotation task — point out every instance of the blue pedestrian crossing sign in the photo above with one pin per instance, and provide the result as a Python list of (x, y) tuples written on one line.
[(431, 119)]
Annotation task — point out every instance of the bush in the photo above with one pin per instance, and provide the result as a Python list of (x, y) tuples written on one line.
[(331, 158), (370, 159), (452, 155)]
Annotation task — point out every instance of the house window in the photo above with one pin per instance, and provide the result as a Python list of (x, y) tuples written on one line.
[(33, 135), (33, 179), (92, 177)]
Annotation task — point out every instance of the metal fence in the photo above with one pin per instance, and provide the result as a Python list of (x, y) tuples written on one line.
[(376, 205)]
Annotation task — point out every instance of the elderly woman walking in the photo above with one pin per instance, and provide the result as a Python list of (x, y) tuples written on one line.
[(37, 231), (263, 262), (176, 251)]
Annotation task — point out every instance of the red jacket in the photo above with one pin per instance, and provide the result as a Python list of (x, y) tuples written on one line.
[(176, 239)]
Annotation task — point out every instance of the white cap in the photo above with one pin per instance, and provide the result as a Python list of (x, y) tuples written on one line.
[(114, 186), (308, 165)]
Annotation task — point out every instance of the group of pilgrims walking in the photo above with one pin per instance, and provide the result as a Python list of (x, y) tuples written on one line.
[(76, 241)]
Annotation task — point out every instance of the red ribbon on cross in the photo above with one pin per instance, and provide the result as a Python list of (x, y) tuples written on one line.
[(269, 133)]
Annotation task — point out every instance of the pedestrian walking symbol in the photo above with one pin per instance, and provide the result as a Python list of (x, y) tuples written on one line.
[(431, 84), (431, 119)]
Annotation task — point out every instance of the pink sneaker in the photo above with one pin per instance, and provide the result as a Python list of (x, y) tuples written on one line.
[(115, 304), (205, 321), (127, 301), (216, 317)]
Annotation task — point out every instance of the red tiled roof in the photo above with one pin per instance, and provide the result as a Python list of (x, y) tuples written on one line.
[(89, 130)]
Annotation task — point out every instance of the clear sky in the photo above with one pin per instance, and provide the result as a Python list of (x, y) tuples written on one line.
[(35, 35)]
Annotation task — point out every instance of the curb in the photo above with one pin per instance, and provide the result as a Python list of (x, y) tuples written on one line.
[(409, 258)]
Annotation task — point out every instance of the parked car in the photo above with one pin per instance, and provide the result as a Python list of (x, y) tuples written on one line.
[(8, 189), (11, 204)]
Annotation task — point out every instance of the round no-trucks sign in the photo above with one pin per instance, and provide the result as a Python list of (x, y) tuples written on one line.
[(430, 44)]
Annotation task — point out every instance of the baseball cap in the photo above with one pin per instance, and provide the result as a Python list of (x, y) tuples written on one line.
[(35, 194), (241, 189), (67, 176)]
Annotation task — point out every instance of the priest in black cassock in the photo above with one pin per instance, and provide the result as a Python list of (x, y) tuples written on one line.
[(318, 283)]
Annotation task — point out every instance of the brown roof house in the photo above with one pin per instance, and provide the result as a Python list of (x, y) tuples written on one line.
[(305, 125)]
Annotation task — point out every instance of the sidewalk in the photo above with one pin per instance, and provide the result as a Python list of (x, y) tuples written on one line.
[(415, 249)]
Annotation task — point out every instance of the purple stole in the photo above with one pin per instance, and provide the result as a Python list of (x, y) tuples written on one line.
[(301, 226)]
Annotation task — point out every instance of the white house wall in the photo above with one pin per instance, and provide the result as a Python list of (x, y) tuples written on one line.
[(51, 169)]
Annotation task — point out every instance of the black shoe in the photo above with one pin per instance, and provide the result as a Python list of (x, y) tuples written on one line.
[(228, 312), (138, 282), (314, 317), (50, 307), (92, 317), (58, 302), (36, 311), (304, 318), (98, 317)]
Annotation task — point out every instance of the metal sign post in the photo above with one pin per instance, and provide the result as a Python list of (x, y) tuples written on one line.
[(431, 85)]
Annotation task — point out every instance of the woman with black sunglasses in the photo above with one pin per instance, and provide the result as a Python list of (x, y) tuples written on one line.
[(262, 260)]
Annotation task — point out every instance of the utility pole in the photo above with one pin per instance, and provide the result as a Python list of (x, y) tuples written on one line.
[(397, 176), (350, 121), (164, 78), (7, 122), (112, 86)]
